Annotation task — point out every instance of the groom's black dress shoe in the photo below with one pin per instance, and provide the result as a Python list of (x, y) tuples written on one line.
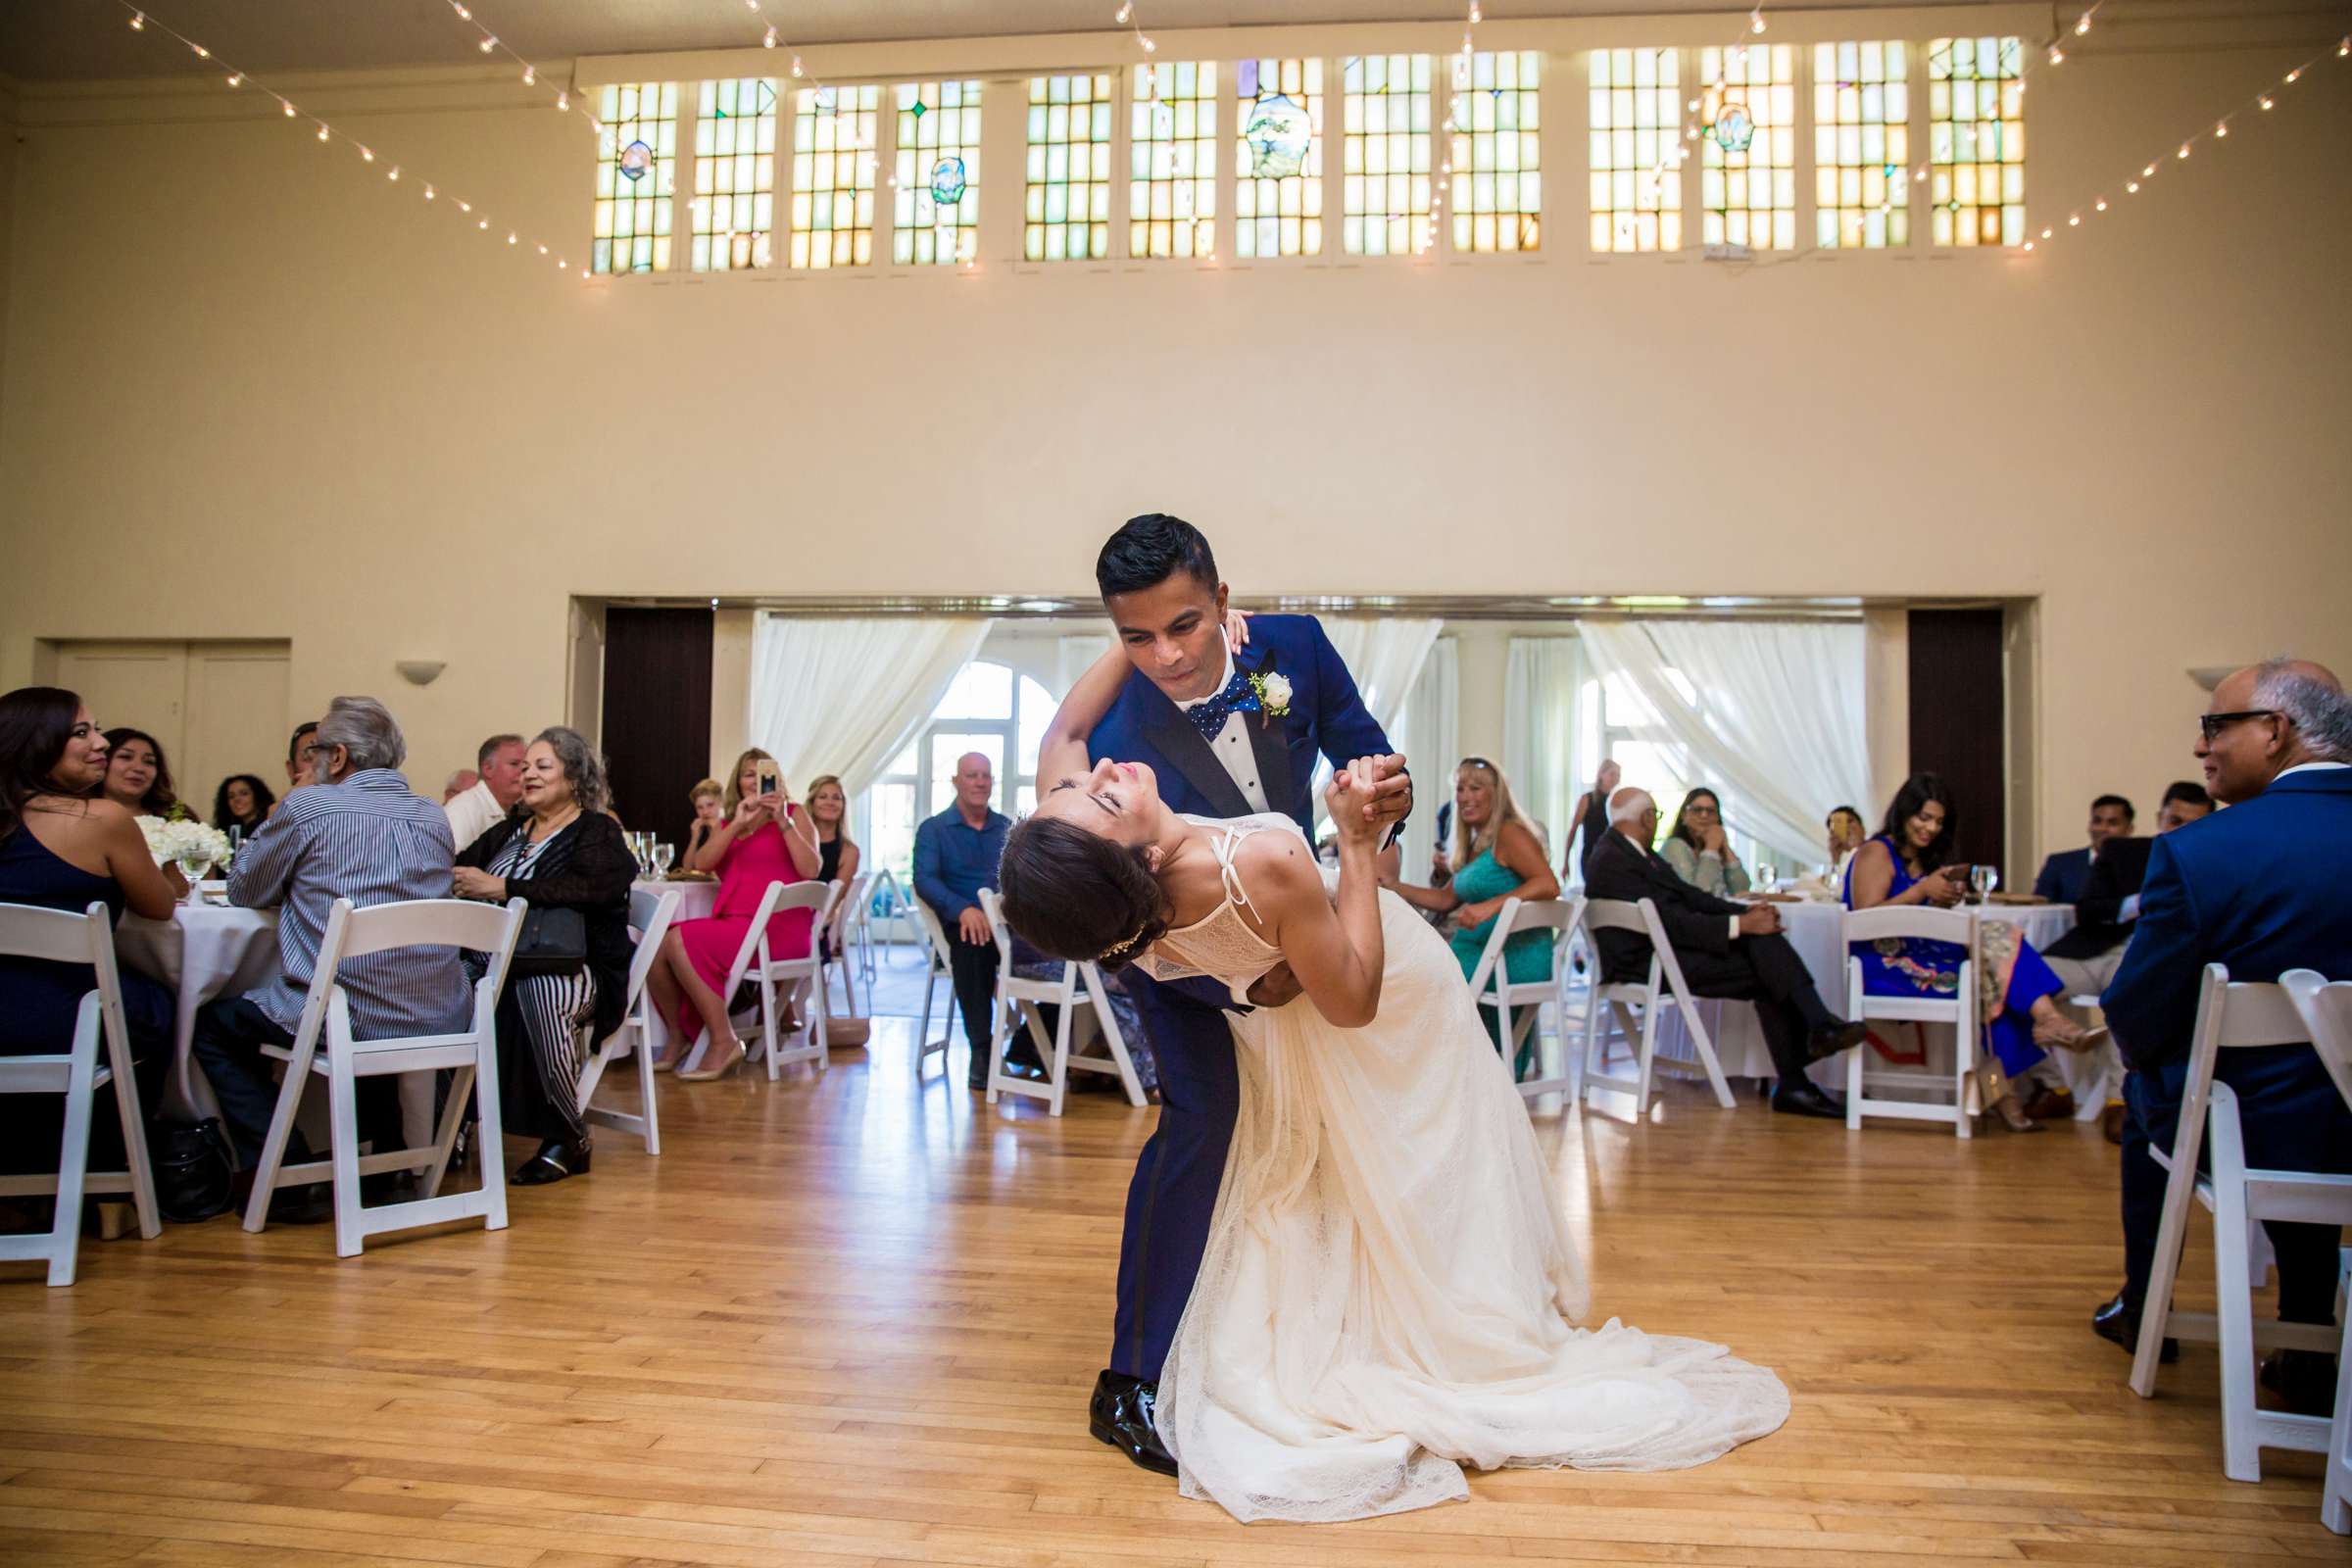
[(1834, 1034), (1804, 1097), (2119, 1320), (1120, 1414)]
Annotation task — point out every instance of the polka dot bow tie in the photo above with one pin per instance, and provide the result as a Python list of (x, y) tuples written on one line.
[(1238, 696)]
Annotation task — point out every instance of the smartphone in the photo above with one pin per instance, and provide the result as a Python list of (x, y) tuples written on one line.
[(769, 781)]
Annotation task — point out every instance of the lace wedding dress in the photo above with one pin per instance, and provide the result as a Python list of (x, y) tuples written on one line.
[(1388, 1289)]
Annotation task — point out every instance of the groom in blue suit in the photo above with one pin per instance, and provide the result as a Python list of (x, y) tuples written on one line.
[(1229, 734)]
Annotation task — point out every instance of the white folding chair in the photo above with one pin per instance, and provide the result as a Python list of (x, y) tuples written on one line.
[(324, 1047), (56, 936), (739, 968), (1490, 986), (650, 916), (2228, 1015), (1661, 992), (1018, 997), (899, 907), (1959, 1010), (2325, 1008), (839, 958), (937, 957), (786, 982)]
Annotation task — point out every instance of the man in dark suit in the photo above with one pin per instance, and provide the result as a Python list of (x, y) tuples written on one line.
[(2064, 875), (1726, 950), (1229, 733), (2085, 957), (2260, 888)]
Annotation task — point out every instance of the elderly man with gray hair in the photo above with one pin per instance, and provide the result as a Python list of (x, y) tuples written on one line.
[(356, 832)]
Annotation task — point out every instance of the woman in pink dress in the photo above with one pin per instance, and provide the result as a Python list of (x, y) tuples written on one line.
[(766, 838)]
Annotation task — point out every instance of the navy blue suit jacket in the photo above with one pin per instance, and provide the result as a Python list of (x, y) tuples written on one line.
[(2258, 887), (2064, 876)]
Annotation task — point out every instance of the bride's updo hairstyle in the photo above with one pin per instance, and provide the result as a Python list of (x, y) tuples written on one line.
[(1074, 895)]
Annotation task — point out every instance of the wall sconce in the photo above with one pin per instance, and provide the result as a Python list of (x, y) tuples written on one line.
[(421, 672)]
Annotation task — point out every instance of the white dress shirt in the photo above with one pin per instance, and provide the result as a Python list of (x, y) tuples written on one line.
[(473, 813), (1232, 745)]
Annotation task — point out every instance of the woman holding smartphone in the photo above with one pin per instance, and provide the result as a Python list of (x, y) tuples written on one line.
[(764, 838)]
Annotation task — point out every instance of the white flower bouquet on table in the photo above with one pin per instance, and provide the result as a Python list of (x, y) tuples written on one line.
[(184, 841)]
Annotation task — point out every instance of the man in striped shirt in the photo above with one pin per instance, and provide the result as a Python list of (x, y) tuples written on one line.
[(356, 832)]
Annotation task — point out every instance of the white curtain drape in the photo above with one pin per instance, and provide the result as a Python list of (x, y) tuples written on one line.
[(1429, 734), (845, 696), (1541, 681), (1771, 712), (1385, 653)]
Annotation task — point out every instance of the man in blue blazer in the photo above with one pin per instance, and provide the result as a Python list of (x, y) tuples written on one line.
[(1229, 733), (2261, 888)]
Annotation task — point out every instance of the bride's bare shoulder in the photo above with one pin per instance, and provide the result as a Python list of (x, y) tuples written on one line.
[(1277, 866)]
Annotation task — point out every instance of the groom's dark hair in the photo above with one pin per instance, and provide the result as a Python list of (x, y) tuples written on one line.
[(1148, 550)]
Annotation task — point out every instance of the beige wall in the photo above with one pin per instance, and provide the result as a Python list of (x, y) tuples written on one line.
[(254, 392)]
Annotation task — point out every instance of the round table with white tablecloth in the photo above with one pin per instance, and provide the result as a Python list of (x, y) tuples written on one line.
[(203, 952)]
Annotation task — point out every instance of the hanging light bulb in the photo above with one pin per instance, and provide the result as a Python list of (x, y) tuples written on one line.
[(1476, 16), (429, 193), (236, 78), (2057, 55), (138, 22), (394, 176), (463, 13), (201, 53), (288, 107), (543, 250), (2293, 75), (1755, 20), (2028, 244), (482, 223), (2045, 234), (2148, 173), (2082, 24), (2222, 130), (2101, 205), (489, 42), (2184, 149), (322, 131), (2073, 220), (2132, 188), (1149, 46), (530, 75), (796, 66), (1126, 14), (2265, 100), (367, 155), (465, 207), (563, 100)]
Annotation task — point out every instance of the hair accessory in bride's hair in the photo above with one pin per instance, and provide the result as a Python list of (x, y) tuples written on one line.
[(1117, 947)]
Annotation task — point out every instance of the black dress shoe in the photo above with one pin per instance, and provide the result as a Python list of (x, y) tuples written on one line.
[(1120, 1414), (555, 1161), (2303, 1379), (312, 1203), (1833, 1036), (1804, 1097), (2118, 1320), (388, 1187)]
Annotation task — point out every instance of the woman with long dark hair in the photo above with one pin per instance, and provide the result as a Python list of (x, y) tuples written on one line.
[(137, 778), (61, 847), (1908, 863), (1699, 850), (242, 801)]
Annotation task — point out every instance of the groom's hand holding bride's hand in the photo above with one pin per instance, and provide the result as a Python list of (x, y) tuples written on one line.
[(1391, 792), (1357, 804)]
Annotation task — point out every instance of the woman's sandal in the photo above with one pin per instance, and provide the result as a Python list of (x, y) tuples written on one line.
[(703, 1075)]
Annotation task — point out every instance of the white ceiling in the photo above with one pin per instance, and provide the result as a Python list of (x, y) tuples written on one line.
[(55, 40)]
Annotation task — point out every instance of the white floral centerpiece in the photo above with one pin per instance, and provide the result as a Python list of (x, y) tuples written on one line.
[(184, 840)]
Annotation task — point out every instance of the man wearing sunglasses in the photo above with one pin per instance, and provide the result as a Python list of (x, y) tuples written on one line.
[(2260, 888)]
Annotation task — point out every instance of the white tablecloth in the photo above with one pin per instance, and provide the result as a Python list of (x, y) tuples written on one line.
[(696, 901), (203, 952)]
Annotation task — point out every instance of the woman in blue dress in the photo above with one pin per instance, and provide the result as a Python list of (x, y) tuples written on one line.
[(1497, 857), (1905, 864)]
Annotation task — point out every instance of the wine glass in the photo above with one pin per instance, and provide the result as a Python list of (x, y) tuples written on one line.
[(1766, 871), (638, 848), (1983, 878), (663, 855), (193, 863)]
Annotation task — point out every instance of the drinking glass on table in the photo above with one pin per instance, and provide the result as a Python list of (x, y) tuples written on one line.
[(663, 855), (193, 865), (1765, 872), (1983, 878)]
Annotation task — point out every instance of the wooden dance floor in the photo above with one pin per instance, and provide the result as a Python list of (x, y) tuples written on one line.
[(854, 1320)]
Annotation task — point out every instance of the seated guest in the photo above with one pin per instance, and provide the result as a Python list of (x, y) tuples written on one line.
[(1726, 950), (137, 778), (1500, 859), (299, 751), (1698, 851), (560, 853), (242, 801), (1848, 833), (710, 804), (61, 848), (2018, 1012), (766, 838), (2085, 957), (2063, 875), (497, 789), (355, 831), (956, 854), (458, 783), (829, 810), (2261, 888), (1589, 817)]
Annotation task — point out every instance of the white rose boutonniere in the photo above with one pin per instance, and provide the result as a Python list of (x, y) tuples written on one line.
[(1273, 694)]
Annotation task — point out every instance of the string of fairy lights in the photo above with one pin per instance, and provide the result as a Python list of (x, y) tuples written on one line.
[(2052, 56)]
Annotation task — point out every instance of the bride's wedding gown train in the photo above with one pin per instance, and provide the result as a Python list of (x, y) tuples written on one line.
[(1387, 1290)]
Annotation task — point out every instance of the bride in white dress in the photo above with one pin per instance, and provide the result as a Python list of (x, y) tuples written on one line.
[(1389, 1292)]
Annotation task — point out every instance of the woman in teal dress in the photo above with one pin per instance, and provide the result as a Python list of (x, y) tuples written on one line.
[(1496, 856)]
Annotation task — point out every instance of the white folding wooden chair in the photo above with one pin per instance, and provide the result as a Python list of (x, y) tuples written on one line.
[(1490, 986), (841, 958), (1959, 1010), (899, 907), (2232, 1016), (739, 968), (56, 936), (1650, 999), (324, 1047), (796, 982), (937, 960), (650, 916), (1020, 997), (2325, 1008)]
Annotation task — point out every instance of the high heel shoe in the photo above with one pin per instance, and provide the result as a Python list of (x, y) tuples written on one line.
[(2066, 1035), (703, 1075), (2013, 1116)]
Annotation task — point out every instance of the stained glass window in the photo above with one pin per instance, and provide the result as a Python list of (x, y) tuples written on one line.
[(936, 208), (1748, 145), (833, 175), (1862, 145), (1977, 141), (636, 177), (1067, 214), (1497, 189), (1637, 134), (734, 174), (1173, 160), (1385, 206), (1278, 168)]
